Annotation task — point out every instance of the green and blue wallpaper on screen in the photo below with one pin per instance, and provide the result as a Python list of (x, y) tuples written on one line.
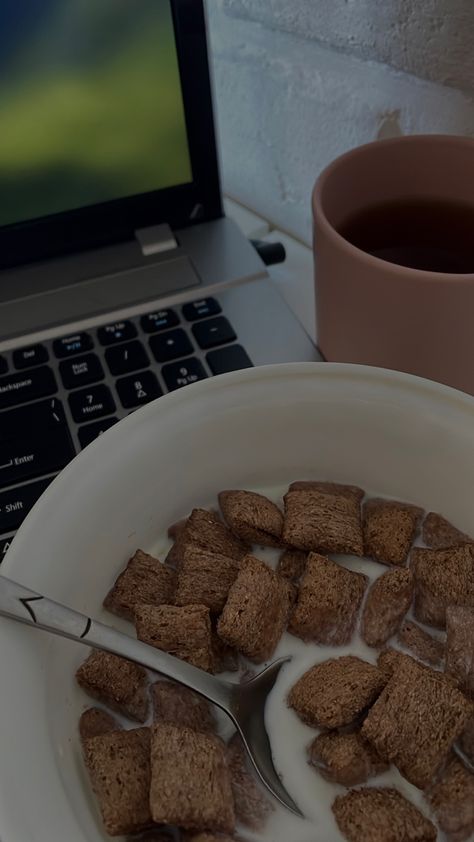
[(90, 104)]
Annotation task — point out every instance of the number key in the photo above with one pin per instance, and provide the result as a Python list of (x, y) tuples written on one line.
[(91, 431), (138, 390), (92, 403), (183, 373)]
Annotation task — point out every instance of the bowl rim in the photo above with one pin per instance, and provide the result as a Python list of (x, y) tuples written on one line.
[(370, 375)]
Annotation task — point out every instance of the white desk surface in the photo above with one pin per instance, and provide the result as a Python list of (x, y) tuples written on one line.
[(294, 277)]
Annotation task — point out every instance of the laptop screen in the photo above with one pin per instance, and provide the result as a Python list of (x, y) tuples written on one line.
[(91, 107)]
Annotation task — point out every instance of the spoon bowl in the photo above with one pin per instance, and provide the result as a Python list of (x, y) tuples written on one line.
[(243, 703)]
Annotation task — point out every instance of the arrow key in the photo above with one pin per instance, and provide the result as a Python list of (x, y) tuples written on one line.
[(4, 545)]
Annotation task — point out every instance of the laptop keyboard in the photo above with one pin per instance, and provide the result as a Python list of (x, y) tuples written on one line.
[(58, 396)]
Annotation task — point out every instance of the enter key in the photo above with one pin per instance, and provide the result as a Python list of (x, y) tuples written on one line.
[(31, 455)]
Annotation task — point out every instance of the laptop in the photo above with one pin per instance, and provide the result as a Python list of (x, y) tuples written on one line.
[(120, 277)]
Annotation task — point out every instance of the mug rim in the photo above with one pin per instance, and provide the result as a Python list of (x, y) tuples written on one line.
[(338, 240)]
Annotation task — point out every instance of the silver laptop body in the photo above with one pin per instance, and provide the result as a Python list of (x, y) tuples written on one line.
[(120, 277)]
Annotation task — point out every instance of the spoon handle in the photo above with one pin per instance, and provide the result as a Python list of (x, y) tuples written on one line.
[(25, 606)]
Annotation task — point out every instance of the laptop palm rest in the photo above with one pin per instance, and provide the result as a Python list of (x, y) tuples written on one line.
[(71, 298)]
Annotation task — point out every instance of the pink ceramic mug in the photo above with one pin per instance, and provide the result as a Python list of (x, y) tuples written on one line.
[(374, 312)]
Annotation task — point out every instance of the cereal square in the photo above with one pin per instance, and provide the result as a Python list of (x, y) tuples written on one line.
[(335, 693), (323, 517), (117, 683), (389, 659), (119, 768), (252, 517), (144, 580), (389, 530), (94, 722), (421, 644), (175, 704), (328, 602), (415, 721), (190, 780), (452, 800), (381, 815), (460, 647), (176, 532), (184, 632), (226, 658), (291, 564), (204, 530), (442, 578), (205, 578), (256, 611), (388, 600), (345, 758), (466, 740), (439, 534)]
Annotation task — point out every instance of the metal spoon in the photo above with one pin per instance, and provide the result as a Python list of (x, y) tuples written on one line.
[(243, 703)]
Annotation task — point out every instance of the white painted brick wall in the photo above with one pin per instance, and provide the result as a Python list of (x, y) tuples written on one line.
[(432, 39), (299, 81)]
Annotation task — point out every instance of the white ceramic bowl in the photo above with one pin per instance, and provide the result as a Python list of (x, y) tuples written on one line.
[(390, 433)]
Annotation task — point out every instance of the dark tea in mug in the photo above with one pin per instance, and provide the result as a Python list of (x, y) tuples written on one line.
[(434, 235)]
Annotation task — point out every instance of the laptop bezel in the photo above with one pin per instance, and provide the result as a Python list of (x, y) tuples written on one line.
[(115, 221)]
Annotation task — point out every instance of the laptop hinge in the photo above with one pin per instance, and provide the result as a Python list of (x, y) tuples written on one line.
[(155, 239)]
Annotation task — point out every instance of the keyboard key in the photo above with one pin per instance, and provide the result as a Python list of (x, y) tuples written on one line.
[(138, 390), (181, 374), (160, 320), (28, 456), (35, 417), (68, 346), (18, 388), (117, 332), (228, 359), (171, 345), (81, 371), (4, 546), (34, 441), (92, 431), (28, 357), (201, 309), (92, 403), (3, 365), (16, 503), (214, 332), (125, 358)]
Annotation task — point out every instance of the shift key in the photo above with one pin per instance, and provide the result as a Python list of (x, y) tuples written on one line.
[(16, 503), (26, 386)]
